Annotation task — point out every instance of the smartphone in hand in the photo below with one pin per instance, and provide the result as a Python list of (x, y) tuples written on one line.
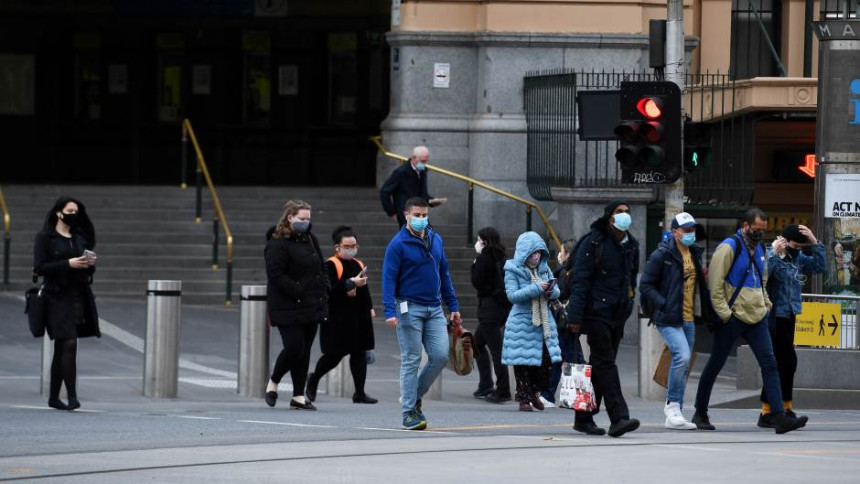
[(90, 254), (552, 282), (363, 272)]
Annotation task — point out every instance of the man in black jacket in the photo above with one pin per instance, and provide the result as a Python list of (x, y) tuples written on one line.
[(602, 291), (407, 181)]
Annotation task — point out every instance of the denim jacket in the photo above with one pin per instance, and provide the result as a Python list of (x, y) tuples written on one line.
[(787, 273)]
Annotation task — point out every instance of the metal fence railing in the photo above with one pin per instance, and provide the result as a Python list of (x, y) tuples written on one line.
[(847, 323)]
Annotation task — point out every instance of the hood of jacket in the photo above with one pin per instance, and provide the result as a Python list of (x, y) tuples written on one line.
[(527, 244)]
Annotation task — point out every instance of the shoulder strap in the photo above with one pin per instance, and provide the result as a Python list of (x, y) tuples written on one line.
[(738, 244), (338, 265)]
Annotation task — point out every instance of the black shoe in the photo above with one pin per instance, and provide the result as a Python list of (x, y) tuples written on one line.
[(496, 397), (702, 421), (74, 404), (363, 398), (784, 424), (302, 406), (623, 426), (311, 388), (765, 421), (271, 398), (791, 414), (588, 428), (482, 392), (57, 403)]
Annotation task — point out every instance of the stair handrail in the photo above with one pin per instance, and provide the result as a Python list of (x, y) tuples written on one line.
[(7, 238), (203, 173), (472, 183)]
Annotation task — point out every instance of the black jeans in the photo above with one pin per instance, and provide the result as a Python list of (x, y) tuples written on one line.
[(296, 355), (357, 365), (604, 339), (782, 335), (489, 336)]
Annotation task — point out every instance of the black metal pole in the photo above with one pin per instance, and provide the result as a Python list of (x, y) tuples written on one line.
[(184, 168), (229, 300), (215, 244), (528, 219), (470, 224), (807, 38), (198, 216)]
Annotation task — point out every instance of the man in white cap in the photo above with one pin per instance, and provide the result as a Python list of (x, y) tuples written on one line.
[(673, 275)]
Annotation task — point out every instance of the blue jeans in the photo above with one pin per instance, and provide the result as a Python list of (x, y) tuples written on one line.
[(679, 339), (420, 327), (758, 337)]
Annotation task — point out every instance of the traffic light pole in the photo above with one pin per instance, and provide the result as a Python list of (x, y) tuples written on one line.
[(650, 342)]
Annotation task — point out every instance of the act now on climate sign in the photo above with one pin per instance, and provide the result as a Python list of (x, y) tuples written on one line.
[(819, 325), (842, 195)]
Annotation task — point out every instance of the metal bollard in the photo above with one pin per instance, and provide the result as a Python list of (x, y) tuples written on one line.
[(47, 358), (339, 381), (161, 350), (253, 343)]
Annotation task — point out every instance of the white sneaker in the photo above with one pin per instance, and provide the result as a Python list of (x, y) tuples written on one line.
[(675, 419), (546, 403)]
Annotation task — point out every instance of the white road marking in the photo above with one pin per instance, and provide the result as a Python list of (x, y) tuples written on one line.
[(195, 417), (288, 424)]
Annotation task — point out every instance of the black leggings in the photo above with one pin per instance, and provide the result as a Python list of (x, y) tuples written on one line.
[(64, 368), (357, 364), (296, 355)]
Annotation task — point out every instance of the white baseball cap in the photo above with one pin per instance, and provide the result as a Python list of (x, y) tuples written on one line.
[(683, 220)]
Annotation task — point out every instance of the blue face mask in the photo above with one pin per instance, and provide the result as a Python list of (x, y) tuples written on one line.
[(622, 221), (418, 224), (420, 166), (300, 226), (688, 239)]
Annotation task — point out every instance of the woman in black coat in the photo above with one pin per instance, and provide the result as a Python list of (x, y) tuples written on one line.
[(349, 327), (493, 307), (297, 297), (59, 257)]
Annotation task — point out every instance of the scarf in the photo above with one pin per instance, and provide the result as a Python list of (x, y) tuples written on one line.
[(540, 311)]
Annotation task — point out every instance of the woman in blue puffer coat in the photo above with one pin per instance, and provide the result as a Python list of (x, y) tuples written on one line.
[(531, 338)]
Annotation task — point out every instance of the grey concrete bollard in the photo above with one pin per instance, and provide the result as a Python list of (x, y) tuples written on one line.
[(253, 343), (47, 358), (339, 381), (161, 348), (650, 347)]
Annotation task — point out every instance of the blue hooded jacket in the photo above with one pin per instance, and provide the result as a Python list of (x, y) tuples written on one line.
[(524, 341), (415, 273)]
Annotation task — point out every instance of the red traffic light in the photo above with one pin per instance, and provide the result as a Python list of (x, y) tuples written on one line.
[(650, 107)]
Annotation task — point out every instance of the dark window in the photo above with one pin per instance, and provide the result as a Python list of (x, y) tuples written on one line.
[(751, 55)]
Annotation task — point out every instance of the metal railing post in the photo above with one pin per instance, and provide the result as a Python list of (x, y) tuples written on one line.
[(161, 348), (184, 159), (253, 343), (7, 255), (528, 219), (229, 300), (470, 213), (198, 214), (215, 244), (47, 358)]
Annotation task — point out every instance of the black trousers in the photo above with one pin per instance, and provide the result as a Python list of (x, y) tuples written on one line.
[(357, 365), (296, 355), (782, 334), (604, 339), (489, 336)]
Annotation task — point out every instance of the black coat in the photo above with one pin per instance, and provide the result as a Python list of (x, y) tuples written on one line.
[(403, 184), (349, 328), (64, 285), (662, 284), (298, 286), (488, 279), (603, 283)]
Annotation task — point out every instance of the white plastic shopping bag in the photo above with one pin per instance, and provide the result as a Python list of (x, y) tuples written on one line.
[(577, 392)]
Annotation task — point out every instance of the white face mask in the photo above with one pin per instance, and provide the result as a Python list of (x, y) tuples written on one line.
[(479, 247), (348, 253)]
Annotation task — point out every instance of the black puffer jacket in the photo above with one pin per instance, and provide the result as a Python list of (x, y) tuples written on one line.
[(298, 285), (63, 286), (488, 280), (603, 283)]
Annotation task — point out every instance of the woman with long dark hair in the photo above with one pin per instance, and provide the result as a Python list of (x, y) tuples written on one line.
[(63, 257), (297, 297), (493, 306)]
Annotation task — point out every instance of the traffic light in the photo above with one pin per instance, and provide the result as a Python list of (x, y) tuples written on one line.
[(649, 132), (698, 152)]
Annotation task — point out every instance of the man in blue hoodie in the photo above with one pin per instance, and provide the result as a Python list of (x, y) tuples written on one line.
[(415, 280)]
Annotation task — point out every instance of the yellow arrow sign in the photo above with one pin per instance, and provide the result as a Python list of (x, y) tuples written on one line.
[(819, 325)]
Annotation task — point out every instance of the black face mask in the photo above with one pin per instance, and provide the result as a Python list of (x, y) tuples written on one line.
[(755, 235), (792, 252), (71, 219)]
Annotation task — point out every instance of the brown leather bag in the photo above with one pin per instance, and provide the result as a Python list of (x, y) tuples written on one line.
[(462, 349)]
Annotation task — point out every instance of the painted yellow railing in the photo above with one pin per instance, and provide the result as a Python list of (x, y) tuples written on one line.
[(203, 174), (471, 184)]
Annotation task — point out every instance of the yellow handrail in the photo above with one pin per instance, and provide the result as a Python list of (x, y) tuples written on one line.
[(377, 140), (216, 202)]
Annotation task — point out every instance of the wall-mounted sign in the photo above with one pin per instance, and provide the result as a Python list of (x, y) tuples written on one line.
[(442, 75), (842, 195), (819, 325), (837, 29)]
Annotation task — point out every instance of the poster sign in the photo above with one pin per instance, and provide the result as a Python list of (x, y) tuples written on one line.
[(441, 75), (842, 195), (819, 325)]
